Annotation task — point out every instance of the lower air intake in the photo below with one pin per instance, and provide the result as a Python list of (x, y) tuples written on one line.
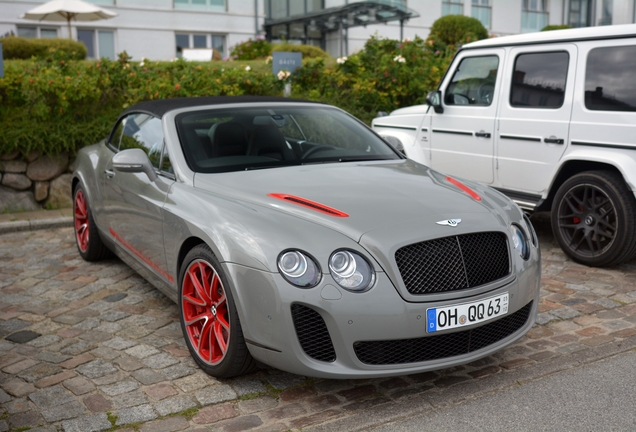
[(441, 346), (312, 333)]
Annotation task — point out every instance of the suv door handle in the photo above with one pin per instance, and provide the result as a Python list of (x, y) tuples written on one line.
[(109, 173), (482, 134), (553, 140)]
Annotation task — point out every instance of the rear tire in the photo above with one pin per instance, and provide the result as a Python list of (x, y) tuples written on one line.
[(209, 319), (593, 219), (89, 243)]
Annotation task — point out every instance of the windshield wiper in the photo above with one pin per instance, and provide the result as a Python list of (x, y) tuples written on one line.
[(363, 158)]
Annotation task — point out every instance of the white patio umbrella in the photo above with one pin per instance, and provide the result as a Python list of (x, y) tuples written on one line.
[(67, 10)]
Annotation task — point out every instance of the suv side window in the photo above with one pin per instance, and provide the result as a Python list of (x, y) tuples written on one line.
[(538, 80), (609, 79), (473, 82), (145, 132)]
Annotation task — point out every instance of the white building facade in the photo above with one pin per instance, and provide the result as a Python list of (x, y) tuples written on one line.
[(160, 29)]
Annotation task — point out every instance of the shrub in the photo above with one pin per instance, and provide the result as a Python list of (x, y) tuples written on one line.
[(555, 27), (308, 51), (61, 106), (46, 49), (252, 49), (457, 29)]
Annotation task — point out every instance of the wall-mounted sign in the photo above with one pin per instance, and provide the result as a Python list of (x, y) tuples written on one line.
[(289, 61)]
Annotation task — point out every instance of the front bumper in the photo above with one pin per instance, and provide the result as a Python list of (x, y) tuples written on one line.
[(265, 300)]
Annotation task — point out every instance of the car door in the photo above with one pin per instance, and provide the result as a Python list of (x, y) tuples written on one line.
[(534, 116), (461, 138), (132, 203)]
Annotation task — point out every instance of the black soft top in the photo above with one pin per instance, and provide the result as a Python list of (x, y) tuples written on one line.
[(161, 106)]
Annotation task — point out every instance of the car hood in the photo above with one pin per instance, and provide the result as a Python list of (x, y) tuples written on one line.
[(375, 196)]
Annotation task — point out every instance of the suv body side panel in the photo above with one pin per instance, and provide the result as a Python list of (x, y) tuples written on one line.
[(456, 147), (596, 134), (525, 160)]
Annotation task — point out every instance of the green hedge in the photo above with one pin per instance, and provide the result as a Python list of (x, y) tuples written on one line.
[(457, 29), (62, 106), (308, 51), (14, 48), (556, 27)]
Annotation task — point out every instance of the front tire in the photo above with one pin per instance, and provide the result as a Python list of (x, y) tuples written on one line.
[(89, 243), (209, 319), (593, 219)]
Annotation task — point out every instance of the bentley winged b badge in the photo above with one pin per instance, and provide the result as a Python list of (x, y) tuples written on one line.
[(449, 222)]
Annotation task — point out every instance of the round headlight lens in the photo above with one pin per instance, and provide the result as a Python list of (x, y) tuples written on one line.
[(520, 242), (351, 271), (298, 269)]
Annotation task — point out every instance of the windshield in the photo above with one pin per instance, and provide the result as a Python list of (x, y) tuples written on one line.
[(235, 139)]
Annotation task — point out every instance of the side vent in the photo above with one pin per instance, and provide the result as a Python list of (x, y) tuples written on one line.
[(309, 204), (312, 333)]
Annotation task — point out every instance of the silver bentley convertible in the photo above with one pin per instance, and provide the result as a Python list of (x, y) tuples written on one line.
[(290, 233)]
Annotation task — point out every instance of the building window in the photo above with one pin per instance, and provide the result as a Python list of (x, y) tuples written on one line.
[(37, 32), (452, 7), (212, 5), (534, 15), (607, 10), (481, 10), (275, 9), (99, 43), (187, 40), (580, 13)]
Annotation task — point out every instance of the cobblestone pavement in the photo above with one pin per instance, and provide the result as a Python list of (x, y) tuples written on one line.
[(90, 347)]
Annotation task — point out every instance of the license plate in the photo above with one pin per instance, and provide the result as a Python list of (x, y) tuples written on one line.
[(449, 317)]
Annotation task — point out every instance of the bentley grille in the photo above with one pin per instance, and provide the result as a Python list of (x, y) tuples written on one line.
[(453, 263), (440, 346), (312, 333)]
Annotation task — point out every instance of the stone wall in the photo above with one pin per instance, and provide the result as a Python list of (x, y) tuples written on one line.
[(33, 182)]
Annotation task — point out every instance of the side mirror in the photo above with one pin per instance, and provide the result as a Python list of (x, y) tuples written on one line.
[(434, 99), (134, 161)]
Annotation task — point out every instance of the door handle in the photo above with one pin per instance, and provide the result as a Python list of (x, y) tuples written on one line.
[(482, 134), (109, 173), (553, 140)]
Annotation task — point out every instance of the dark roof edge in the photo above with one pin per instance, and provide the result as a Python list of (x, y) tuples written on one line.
[(549, 41), (159, 107)]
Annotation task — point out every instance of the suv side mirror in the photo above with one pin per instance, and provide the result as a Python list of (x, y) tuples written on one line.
[(434, 99), (134, 161)]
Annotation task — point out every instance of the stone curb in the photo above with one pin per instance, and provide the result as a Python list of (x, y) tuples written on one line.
[(36, 224)]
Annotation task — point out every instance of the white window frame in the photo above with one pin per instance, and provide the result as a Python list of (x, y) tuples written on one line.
[(542, 10), (96, 31), (206, 7), (452, 4), (208, 40), (482, 7), (38, 30)]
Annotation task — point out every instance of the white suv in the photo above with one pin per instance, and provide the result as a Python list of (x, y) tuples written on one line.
[(549, 119)]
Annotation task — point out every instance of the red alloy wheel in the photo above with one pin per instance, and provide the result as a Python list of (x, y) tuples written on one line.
[(80, 216), (205, 312)]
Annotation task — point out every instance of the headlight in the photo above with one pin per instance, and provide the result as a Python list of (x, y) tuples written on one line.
[(520, 242), (533, 233), (298, 269), (351, 271)]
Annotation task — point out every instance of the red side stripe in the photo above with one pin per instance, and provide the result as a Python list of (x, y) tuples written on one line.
[(465, 188), (141, 256), (309, 204)]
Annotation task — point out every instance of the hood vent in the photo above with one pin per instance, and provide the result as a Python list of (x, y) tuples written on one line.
[(309, 204)]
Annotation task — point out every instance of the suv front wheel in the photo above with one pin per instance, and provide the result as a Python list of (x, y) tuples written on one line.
[(593, 219)]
